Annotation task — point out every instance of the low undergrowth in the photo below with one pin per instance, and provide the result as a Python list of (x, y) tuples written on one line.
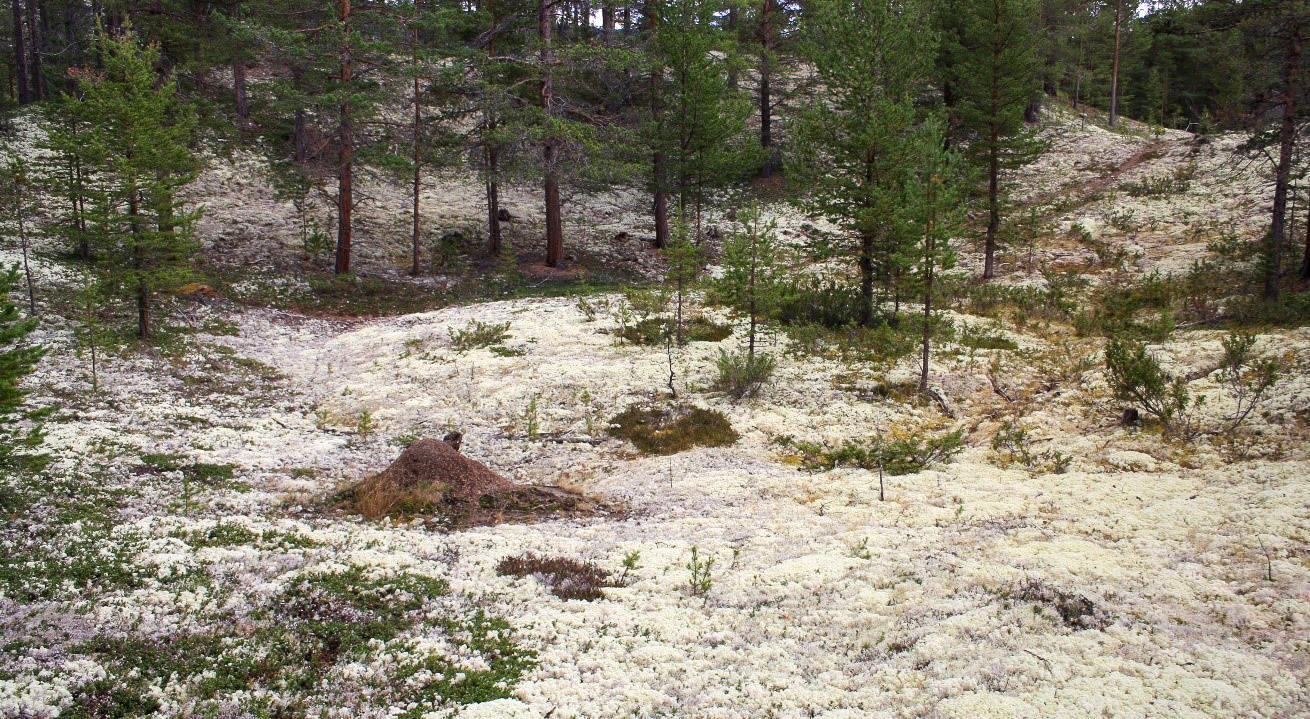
[(651, 331), (286, 657), (669, 430), (900, 453), (566, 578)]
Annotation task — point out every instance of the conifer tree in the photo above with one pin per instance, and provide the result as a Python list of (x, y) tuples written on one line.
[(698, 121), (873, 59), (751, 270), (139, 130), (20, 425), (996, 79), (932, 211)]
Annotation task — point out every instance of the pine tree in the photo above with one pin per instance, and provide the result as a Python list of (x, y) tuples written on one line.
[(139, 130), (996, 67), (698, 122), (751, 270), (20, 425), (873, 58), (932, 212), (17, 185), (66, 171)]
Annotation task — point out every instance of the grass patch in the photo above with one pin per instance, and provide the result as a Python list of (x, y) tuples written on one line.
[(669, 430)]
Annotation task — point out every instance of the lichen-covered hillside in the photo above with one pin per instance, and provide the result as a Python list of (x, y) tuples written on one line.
[(189, 552)]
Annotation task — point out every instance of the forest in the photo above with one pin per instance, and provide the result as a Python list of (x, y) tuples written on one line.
[(676, 358)]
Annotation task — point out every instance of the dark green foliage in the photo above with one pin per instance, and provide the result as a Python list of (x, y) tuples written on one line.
[(851, 142), (1013, 444), (812, 301), (1135, 376), (751, 271), (992, 56), (566, 578), (652, 331), (134, 130), (477, 334), (741, 374), (901, 454), (699, 121), (669, 430), (20, 424)]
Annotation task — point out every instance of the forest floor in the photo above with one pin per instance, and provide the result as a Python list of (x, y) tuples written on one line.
[(184, 557)]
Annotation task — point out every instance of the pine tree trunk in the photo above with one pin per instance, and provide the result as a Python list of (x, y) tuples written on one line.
[(866, 280), (1283, 174), (658, 170), (418, 167), (993, 209), (607, 21), (491, 154), (1114, 66), (930, 259), (732, 36), (1305, 260), (346, 160), (554, 228), (20, 54), (34, 52), (766, 32), (139, 265), (239, 88), (301, 149)]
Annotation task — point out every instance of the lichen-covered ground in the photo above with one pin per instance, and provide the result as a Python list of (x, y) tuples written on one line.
[(182, 557)]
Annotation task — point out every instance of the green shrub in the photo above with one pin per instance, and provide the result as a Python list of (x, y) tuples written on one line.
[(741, 375), (669, 430), (478, 334), (651, 331), (1135, 376), (1011, 444), (901, 454), (813, 301)]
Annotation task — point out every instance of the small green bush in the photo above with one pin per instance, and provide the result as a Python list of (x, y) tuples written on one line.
[(1012, 445), (478, 334), (741, 375), (904, 454), (1135, 376), (669, 430), (814, 301), (651, 331)]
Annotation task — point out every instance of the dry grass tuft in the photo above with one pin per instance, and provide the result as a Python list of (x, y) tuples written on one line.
[(567, 578)]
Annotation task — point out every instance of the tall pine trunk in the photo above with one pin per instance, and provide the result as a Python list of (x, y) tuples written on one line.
[(239, 92), (1283, 174), (346, 159), (866, 279), (20, 54), (554, 227), (414, 151), (1114, 64), (1305, 260), (491, 153), (139, 265), (766, 31), (993, 210), (34, 52), (658, 171)]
